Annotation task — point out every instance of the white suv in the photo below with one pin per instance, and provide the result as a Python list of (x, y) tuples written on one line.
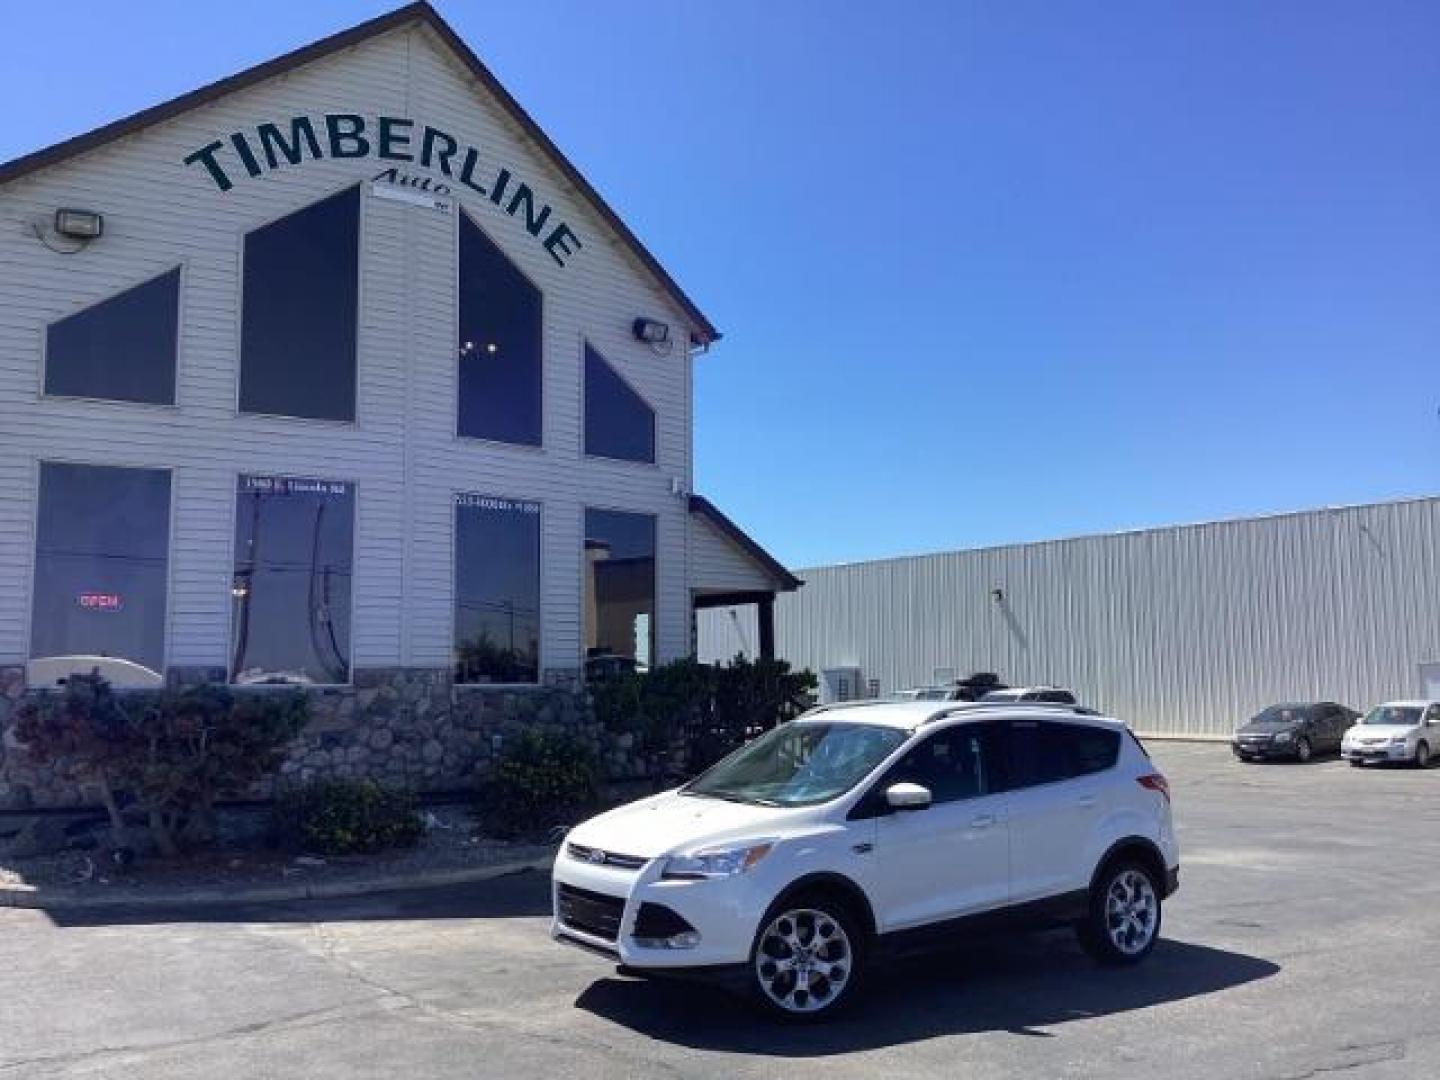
[(865, 826), (1396, 731)]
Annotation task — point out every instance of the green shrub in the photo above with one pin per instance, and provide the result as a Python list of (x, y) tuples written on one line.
[(166, 755), (543, 779), (345, 817), (705, 709)]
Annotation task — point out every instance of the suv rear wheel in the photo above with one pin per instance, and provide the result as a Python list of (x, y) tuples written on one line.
[(807, 958), (1123, 923)]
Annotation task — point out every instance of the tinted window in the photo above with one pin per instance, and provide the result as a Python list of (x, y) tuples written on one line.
[(297, 341), (122, 349), (102, 546), (618, 423), (1044, 752), (497, 590), (952, 764), (619, 587), (290, 617), (500, 344)]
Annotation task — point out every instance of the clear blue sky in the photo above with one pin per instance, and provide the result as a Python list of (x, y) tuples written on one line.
[(987, 271)]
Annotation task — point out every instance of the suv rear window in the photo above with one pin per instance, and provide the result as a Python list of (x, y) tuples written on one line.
[(1043, 752)]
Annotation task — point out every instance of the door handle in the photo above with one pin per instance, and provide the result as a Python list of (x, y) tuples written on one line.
[(982, 821)]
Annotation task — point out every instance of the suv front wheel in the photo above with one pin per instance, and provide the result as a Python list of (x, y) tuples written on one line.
[(807, 958), (1123, 923)]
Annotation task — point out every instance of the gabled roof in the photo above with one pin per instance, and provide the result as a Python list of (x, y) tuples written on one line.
[(784, 580), (422, 13)]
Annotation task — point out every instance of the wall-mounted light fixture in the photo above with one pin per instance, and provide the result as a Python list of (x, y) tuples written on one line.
[(79, 224), (650, 331), (998, 595)]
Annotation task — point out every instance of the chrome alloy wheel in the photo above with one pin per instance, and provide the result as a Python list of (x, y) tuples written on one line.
[(1132, 912), (804, 960)]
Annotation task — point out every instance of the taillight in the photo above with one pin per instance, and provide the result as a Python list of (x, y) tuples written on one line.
[(1155, 782)]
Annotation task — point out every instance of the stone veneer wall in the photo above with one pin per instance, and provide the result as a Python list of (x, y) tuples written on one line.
[(403, 727)]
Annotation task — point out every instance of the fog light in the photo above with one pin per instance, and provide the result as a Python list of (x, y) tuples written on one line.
[(687, 940)]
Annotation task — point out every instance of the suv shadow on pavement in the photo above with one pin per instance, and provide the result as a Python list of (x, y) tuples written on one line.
[(1018, 986)]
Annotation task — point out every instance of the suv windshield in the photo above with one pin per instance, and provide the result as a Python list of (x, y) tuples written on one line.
[(799, 764), (1403, 715)]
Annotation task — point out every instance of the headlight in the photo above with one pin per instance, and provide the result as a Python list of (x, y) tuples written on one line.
[(1399, 740), (1284, 736), (716, 863)]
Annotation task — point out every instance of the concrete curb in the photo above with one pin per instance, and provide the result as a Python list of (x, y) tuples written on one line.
[(63, 899)]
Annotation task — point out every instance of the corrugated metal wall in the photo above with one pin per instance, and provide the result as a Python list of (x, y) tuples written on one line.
[(1182, 630)]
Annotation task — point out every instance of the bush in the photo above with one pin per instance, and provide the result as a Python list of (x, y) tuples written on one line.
[(169, 754), (542, 780), (703, 710), (345, 817)]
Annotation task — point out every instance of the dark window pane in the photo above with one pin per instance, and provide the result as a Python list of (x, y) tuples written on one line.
[(497, 590), (951, 765), (1042, 753), (101, 555), (290, 612), (619, 590), (618, 423), (122, 348), (500, 344), (297, 342)]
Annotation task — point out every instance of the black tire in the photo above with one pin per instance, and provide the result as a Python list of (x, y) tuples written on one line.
[(1303, 750), (1422, 754), (831, 972), (1110, 932)]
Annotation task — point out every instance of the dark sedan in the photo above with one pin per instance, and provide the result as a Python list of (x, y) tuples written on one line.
[(1294, 732)]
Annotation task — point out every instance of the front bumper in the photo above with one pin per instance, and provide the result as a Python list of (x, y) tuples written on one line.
[(1377, 753), (600, 907), (1268, 751)]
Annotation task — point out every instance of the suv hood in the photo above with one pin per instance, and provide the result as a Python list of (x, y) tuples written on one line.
[(669, 823)]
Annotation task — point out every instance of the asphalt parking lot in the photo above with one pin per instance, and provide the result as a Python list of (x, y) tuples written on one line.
[(1301, 944)]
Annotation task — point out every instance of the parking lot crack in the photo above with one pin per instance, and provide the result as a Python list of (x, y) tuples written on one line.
[(1352, 1057)]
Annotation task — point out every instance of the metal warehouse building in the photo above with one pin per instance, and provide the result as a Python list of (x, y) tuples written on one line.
[(1183, 630)]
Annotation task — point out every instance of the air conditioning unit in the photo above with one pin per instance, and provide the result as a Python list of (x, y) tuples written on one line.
[(841, 684)]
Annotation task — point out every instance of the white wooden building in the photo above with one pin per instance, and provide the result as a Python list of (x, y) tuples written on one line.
[(339, 365)]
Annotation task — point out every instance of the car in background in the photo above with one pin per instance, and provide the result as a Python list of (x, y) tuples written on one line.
[(861, 827), (1296, 731), (1403, 731), (1051, 695)]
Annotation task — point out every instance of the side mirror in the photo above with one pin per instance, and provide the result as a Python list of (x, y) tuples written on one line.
[(907, 797)]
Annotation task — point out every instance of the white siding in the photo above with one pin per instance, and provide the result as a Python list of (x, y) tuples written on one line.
[(1186, 630), (402, 452), (718, 565)]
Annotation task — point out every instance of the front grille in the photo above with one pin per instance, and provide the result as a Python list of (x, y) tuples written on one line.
[(590, 912), (658, 921), (597, 857)]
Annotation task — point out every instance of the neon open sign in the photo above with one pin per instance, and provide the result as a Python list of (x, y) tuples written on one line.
[(99, 601)]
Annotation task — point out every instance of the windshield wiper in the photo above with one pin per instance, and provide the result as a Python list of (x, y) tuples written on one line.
[(730, 796)]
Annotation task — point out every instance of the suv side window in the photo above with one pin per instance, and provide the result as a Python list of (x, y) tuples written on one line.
[(958, 763), (1047, 751)]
